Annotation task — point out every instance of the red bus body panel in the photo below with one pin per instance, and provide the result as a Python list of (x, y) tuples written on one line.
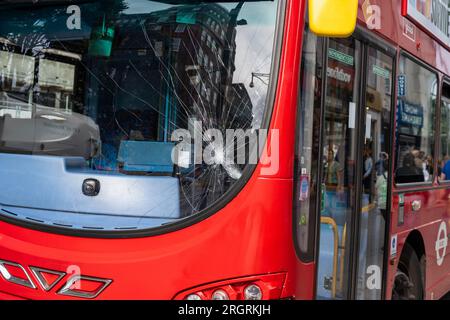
[(435, 199), (253, 234)]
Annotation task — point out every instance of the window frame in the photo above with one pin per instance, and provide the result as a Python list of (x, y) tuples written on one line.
[(216, 206), (310, 255), (422, 64), (370, 40), (367, 39), (445, 81)]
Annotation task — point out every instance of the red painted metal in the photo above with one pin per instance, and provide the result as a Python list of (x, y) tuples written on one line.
[(270, 285), (435, 200), (252, 235), (6, 296)]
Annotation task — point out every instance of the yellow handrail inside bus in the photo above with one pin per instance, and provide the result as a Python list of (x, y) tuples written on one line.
[(368, 208), (341, 273), (332, 223)]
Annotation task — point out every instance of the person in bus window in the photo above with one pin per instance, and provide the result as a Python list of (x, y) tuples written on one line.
[(441, 165), (445, 174), (333, 171), (417, 159), (381, 187), (409, 173), (429, 164), (420, 162), (368, 169), (379, 164)]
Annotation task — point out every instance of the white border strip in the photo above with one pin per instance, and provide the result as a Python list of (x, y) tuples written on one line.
[(417, 16)]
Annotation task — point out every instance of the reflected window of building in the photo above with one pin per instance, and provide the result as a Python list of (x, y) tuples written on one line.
[(444, 163), (415, 123)]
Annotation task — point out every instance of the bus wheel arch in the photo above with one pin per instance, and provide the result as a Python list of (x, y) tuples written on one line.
[(409, 282)]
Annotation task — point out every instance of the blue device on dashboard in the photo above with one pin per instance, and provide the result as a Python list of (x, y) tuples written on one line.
[(146, 156)]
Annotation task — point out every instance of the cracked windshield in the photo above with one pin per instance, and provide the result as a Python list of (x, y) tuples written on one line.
[(120, 115)]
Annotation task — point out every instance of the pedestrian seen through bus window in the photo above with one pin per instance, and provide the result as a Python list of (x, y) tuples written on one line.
[(379, 164), (408, 172), (368, 169), (332, 169), (381, 187), (445, 175)]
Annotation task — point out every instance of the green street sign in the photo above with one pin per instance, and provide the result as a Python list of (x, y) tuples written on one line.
[(341, 57)]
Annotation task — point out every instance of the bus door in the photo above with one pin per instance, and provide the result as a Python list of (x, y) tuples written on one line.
[(352, 149), (375, 166)]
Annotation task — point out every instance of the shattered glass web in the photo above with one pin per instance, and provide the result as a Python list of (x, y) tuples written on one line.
[(217, 94)]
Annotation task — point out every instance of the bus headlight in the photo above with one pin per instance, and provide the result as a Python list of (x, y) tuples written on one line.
[(193, 296), (257, 287), (220, 295), (252, 292)]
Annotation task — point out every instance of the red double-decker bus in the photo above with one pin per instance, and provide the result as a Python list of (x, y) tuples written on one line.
[(176, 149)]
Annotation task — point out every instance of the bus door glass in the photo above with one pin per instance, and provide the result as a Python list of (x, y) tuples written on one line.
[(339, 155), (342, 165), (375, 173)]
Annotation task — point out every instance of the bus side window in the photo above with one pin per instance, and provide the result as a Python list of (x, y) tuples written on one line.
[(444, 163), (415, 145)]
